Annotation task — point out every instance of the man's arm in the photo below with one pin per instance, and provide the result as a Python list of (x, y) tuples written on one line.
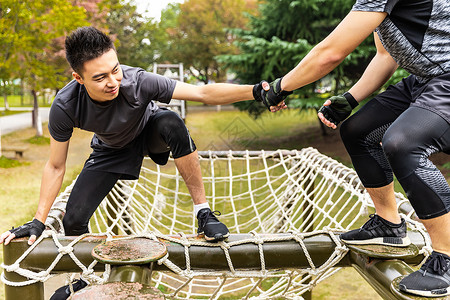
[(329, 53), (52, 179), (213, 94), (377, 73)]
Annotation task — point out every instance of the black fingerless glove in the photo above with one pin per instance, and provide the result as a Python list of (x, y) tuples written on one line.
[(271, 97), (340, 108), (34, 227)]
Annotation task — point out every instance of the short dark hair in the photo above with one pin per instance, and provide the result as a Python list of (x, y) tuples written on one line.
[(84, 44)]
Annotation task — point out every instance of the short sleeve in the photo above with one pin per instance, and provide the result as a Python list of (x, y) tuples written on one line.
[(60, 125), (155, 87), (375, 5)]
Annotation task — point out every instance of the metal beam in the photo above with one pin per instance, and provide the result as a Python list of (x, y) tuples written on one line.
[(284, 254), (380, 273), (277, 255)]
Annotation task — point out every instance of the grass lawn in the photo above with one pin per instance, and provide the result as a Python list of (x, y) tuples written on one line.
[(211, 130), (4, 113), (27, 100)]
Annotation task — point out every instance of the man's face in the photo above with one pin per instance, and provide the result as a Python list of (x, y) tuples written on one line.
[(101, 77)]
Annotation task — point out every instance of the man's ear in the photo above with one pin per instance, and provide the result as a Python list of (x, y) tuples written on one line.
[(77, 77)]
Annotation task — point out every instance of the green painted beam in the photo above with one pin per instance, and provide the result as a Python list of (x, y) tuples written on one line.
[(278, 255)]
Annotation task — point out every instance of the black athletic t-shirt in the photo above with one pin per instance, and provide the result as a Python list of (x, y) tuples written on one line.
[(416, 34), (121, 120)]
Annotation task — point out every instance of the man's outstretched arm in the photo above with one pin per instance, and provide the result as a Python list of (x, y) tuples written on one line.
[(52, 179), (329, 53), (213, 94), (220, 93), (377, 73)]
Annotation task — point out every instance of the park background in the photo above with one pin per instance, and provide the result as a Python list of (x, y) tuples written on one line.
[(239, 41)]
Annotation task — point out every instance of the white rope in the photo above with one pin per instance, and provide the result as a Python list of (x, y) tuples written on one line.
[(268, 192)]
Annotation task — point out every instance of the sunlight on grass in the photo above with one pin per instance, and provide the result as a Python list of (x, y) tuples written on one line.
[(38, 140), (9, 163)]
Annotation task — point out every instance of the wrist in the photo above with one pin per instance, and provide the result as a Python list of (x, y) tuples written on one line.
[(38, 223), (279, 90), (350, 99)]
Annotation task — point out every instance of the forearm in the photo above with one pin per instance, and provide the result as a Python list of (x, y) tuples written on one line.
[(320, 61), (52, 179), (213, 94), (375, 76), (224, 93), (329, 53)]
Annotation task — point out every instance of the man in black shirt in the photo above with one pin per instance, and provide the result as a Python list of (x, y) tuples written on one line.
[(116, 103)]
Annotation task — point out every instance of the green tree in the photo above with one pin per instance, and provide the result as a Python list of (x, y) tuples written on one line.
[(137, 38), (199, 35), (282, 34), (31, 33)]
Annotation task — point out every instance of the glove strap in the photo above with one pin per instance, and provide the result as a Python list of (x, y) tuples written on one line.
[(39, 224), (279, 91), (350, 99)]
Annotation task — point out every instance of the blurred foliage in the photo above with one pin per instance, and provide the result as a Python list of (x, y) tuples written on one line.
[(282, 34), (31, 33), (255, 39), (198, 34), (137, 38)]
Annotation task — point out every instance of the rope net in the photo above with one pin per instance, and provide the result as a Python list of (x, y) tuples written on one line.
[(299, 193)]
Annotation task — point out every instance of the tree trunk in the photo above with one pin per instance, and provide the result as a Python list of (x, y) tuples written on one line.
[(37, 123), (5, 98), (338, 84), (22, 92)]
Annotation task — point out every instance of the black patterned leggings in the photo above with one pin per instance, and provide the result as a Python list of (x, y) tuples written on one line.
[(382, 143)]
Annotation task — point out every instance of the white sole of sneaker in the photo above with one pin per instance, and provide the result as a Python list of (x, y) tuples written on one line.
[(428, 294), (211, 239), (379, 241)]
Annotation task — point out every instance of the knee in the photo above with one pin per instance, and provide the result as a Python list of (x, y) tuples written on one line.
[(351, 131), (394, 146), (73, 226), (171, 122)]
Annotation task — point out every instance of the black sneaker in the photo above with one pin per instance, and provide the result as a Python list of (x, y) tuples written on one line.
[(64, 292), (431, 280), (378, 231), (210, 226)]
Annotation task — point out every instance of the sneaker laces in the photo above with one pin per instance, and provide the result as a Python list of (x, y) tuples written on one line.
[(437, 263), (206, 216), (373, 223)]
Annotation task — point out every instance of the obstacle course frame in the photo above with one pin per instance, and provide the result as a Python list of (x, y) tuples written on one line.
[(242, 253)]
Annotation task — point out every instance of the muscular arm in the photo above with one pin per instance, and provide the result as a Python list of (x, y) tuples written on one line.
[(50, 185), (52, 177), (379, 70), (329, 53), (213, 94)]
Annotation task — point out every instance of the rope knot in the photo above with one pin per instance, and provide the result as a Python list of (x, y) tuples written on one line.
[(65, 250), (42, 274), (224, 245), (12, 268), (341, 249), (257, 239), (87, 273)]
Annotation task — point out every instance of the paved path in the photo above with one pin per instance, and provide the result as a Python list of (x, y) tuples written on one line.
[(21, 121)]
